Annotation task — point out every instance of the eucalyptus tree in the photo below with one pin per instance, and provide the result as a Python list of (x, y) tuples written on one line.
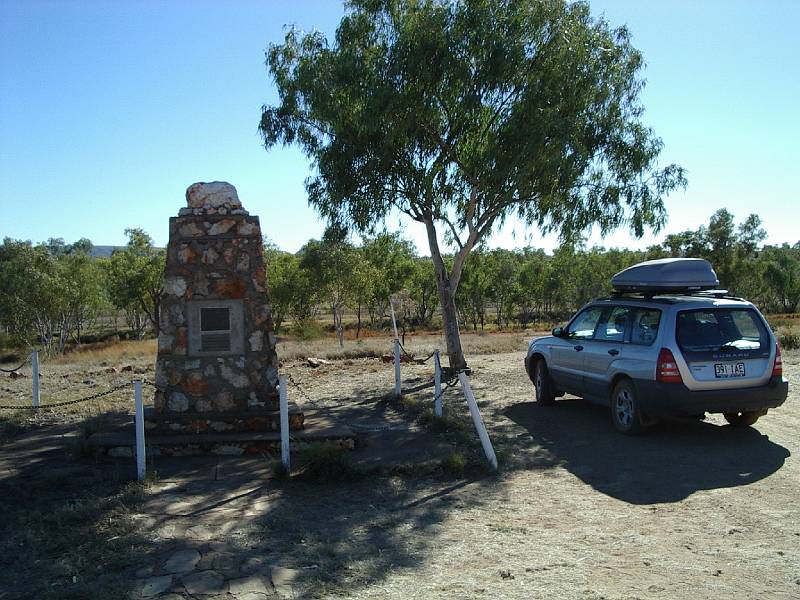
[(464, 115), (135, 280)]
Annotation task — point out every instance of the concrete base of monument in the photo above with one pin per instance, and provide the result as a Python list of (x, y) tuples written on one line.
[(317, 427), (219, 422)]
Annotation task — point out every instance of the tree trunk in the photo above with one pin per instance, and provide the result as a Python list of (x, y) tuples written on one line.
[(447, 298)]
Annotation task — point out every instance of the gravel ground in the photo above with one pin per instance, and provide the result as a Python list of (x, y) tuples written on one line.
[(689, 510)]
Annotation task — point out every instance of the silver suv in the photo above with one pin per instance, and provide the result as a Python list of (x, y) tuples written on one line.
[(649, 356)]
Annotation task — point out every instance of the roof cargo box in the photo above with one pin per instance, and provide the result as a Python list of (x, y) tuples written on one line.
[(667, 275)]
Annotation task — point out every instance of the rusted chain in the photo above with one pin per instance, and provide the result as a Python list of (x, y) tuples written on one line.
[(67, 402), (24, 362)]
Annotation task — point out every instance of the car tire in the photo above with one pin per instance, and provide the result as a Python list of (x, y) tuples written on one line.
[(626, 414), (743, 418), (544, 393)]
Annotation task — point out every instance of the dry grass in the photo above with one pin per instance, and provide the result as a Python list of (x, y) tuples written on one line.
[(419, 344), (108, 353)]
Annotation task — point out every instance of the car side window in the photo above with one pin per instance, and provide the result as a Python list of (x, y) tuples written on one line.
[(645, 326), (614, 327), (582, 328)]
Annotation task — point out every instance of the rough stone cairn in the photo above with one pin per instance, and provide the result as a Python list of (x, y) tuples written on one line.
[(216, 347)]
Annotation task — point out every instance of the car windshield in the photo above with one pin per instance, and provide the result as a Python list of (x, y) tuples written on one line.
[(721, 329)]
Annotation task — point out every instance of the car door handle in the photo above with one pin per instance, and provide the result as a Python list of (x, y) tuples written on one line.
[(578, 348), (613, 352)]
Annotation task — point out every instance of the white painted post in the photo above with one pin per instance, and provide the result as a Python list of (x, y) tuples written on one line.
[(285, 457), (394, 321), (437, 380), (35, 378), (397, 390), (476, 419), (140, 450)]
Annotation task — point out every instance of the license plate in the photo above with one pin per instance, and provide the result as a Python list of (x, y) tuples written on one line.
[(724, 370)]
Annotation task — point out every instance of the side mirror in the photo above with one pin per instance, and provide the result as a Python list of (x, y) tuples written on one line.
[(559, 332)]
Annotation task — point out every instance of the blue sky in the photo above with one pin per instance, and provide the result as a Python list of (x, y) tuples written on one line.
[(110, 109)]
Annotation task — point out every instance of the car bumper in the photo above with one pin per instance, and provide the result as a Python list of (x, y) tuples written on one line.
[(675, 399)]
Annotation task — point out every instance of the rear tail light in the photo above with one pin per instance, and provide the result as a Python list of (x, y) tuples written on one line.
[(667, 369), (777, 366)]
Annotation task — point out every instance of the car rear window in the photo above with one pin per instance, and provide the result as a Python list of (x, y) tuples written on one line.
[(645, 326), (720, 329)]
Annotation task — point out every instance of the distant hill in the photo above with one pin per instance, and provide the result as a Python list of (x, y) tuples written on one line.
[(104, 251)]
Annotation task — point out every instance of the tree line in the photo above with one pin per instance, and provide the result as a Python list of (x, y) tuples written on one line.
[(53, 293)]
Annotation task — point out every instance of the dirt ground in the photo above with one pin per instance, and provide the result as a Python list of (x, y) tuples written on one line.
[(689, 510)]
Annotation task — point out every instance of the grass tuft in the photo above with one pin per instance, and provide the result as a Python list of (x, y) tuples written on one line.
[(454, 464), (324, 462), (789, 340)]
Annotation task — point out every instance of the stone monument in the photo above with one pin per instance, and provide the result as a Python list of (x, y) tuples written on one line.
[(217, 369)]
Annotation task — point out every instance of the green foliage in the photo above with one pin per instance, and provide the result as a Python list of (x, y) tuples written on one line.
[(464, 114), (134, 279), (307, 330), (49, 292), (454, 464)]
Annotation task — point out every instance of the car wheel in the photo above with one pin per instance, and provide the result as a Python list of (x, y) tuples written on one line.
[(543, 384), (625, 412), (741, 419)]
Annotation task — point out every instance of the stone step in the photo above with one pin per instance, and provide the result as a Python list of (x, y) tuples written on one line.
[(318, 428), (209, 422)]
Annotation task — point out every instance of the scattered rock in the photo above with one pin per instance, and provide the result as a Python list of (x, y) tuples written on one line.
[(247, 585), (283, 579), (126, 368), (144, 571), (182, 561), (226, 562), (316, 362), (204, 583), (255, 564), (153, 586), (15, 375), (506, 574)]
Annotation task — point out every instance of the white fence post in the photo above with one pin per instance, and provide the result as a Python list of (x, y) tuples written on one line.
[(140, 450), (394, 322), (397, 390), (285, 457), (437, 380), (476, 419), (35, 379)]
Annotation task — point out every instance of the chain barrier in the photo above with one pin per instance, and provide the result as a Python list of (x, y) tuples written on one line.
[(450, 382), (24, 362), (152, 385), (68, 402), (407, 354), (297, 385)]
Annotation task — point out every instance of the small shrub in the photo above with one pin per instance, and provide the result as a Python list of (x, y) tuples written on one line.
[(324, 462), (308, 330), (454, 464), (789, 340)]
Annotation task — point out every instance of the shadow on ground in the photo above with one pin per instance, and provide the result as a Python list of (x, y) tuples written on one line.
[(78, 528), (67, 531), (667, 464)]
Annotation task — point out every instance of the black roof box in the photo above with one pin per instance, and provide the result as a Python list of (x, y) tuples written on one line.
[(667, 275)]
